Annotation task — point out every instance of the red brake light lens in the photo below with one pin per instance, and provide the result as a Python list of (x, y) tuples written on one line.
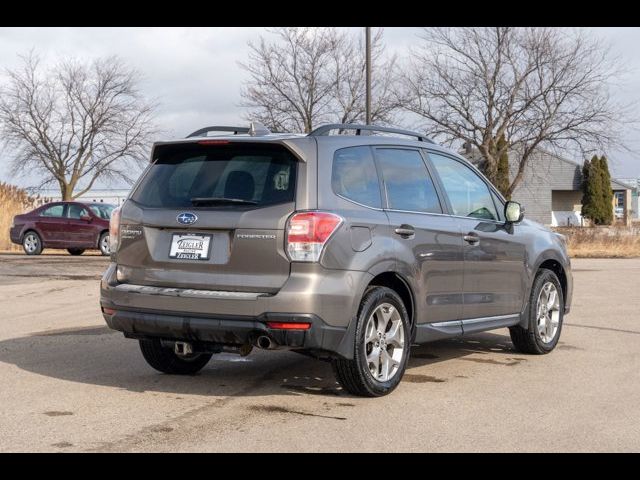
[(308, 232)]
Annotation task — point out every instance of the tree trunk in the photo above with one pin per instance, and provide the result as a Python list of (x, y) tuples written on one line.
[(66, 191)]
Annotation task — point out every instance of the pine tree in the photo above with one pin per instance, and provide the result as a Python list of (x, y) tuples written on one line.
[(606, 196), (502, 176), (591, 191)]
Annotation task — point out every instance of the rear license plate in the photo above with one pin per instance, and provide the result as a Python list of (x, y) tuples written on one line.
[(190, 246)]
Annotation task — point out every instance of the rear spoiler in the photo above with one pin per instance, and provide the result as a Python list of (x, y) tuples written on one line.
[(254, 130)]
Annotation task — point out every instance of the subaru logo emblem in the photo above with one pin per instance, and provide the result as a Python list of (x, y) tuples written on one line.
[(187, 218)]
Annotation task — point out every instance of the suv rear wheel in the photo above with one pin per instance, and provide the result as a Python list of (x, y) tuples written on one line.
[(165, 360), (545, 316), (382, 343)]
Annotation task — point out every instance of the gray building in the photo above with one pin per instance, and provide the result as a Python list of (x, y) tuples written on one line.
[(551, 193)]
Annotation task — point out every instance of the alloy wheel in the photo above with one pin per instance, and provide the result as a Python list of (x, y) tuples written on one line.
[(548, 312), (104, 245), (31, 243), (384, 342)]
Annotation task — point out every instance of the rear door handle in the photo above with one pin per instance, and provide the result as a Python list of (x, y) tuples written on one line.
[(405, 230), (471, 238)]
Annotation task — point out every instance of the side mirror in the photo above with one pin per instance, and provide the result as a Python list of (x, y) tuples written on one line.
[(513, 212), (86, 218)]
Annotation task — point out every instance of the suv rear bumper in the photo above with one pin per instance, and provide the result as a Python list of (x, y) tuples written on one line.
[(229, 330), (326, 298)]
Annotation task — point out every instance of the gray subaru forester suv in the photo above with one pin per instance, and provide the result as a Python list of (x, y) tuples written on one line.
[(350, 244)]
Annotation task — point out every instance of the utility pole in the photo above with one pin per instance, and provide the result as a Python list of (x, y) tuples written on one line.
[(368, 76)]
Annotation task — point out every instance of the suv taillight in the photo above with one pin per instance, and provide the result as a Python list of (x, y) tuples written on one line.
[(307, 234), (114, 230)]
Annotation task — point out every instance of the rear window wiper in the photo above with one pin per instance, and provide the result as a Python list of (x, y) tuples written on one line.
[(220, 201)]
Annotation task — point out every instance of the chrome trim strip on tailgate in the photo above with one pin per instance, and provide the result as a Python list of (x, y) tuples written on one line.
[(189, 293)]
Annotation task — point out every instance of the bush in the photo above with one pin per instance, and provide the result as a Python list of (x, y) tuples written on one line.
[(13, 201), (602, 242)]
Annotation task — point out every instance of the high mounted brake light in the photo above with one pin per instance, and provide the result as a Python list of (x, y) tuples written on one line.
[(307, 234), (213, 142)]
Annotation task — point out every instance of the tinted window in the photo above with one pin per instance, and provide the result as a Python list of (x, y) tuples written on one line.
[(54, 211), (76, 211), (354, 176), (467, 192), (407, 181), (247, 174), (102, 211)]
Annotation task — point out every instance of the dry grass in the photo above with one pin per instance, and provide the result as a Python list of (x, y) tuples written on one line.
[(13, 201), (611, 242)]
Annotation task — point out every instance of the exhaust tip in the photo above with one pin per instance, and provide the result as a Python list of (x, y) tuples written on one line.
[(183, 348), (264, 342)]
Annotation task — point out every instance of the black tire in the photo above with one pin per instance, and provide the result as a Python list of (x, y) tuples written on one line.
[(165, 360), (354, 375), (104, 245), (32, 243), (528, 340), (75, 251)]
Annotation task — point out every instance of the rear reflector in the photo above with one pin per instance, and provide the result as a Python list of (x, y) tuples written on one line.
[(108, 311), (307, 233), (288, 326)]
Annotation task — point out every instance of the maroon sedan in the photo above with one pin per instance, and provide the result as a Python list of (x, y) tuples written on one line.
[(72, 225)]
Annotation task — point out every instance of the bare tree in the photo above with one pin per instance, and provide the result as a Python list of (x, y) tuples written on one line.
[(311, 76), (539, 87), (291, 79), (75, 123), (350, 88)]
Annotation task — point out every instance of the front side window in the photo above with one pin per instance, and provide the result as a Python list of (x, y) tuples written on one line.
[(499, 206), (102, 210), (354, 176), (54, 211), (76, 212), (407, 182), (467, 192)]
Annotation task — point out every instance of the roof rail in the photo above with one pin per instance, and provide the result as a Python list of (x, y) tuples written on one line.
[(325, 129), (205, 130)]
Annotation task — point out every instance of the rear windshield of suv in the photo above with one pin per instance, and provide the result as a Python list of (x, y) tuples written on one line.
[(218, 175)]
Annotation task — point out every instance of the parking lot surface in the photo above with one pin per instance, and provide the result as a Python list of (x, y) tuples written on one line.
[(68, 383)]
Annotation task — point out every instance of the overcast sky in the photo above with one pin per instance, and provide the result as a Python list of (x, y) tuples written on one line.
[(194, 74)]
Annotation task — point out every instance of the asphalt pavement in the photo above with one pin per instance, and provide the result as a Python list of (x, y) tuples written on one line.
[(68, 383)]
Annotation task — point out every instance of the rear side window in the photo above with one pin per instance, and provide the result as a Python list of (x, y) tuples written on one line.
[(54, 211), (407, 181), (354, 176), (228, 175)]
